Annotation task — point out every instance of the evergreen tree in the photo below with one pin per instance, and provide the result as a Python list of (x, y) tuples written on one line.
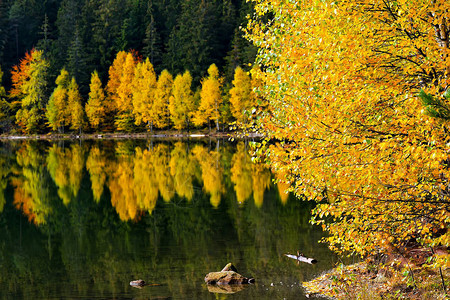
[(107, 29), (152, 41), (182, 101), (96, 105), (193, 42), (5, 107), (76, 59)]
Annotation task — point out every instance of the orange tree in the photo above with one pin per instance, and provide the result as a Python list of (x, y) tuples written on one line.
[(341, 95)]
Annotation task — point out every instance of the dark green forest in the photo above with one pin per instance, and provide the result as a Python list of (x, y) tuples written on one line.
[(85, 35)]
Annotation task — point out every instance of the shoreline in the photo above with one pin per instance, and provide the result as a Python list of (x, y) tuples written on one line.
[(119, 135), (368, 280)]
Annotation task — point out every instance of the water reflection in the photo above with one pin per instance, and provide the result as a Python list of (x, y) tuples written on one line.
[(99, 214), (135, 175)]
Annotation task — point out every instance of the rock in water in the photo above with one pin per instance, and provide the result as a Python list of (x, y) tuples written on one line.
[(228, 275)]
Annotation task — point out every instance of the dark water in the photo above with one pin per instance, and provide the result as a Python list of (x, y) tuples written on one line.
[(80, 220)]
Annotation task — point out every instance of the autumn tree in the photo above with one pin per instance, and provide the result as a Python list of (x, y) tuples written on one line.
[(210, 98), (181, 102), (29, 80), (75, 107), (241, 95), (143, 94), (96, 107), (123, 97), (114, 80), (163, 94), (341, 81), (57, 113)]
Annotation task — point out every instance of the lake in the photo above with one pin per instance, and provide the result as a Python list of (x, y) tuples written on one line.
[(81, 219)]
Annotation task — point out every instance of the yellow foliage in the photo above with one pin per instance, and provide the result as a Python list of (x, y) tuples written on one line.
[(181, 104), (143, 93), (163, 94), (340, 83), (241, 95), (210, 98), (96, 106)]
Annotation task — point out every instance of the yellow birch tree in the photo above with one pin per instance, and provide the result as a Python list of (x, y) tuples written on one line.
[(357, 95)]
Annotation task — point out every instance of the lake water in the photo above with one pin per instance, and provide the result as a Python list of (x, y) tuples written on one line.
[(81, 219)]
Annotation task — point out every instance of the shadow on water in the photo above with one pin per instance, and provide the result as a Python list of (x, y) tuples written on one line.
[(81, 220)]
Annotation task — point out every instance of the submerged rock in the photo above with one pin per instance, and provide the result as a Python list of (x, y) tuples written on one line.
[(228, 275)]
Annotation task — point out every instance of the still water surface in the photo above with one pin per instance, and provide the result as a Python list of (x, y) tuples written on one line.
[(80, 220)]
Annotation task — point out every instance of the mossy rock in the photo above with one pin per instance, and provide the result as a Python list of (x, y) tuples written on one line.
[(228, 275)]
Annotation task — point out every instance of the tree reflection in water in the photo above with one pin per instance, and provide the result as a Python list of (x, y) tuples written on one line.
[(103, 213)]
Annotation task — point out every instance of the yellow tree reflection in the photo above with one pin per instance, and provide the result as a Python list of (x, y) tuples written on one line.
[(161, 161), (30, 192), (182, 169), (212, 173), (261, 181), (121, 186), (4, 172), (97, 164), (241, 167), (65, 166), (145, 181)]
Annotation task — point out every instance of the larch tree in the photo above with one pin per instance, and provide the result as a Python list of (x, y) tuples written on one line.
[(341, 81), (96, 107), (124, 103), (30, 88), (143, 94), (163, 94), (57, 112), (182, 102), (241, 95), (75, 106), (115, 76), (210, 99)]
